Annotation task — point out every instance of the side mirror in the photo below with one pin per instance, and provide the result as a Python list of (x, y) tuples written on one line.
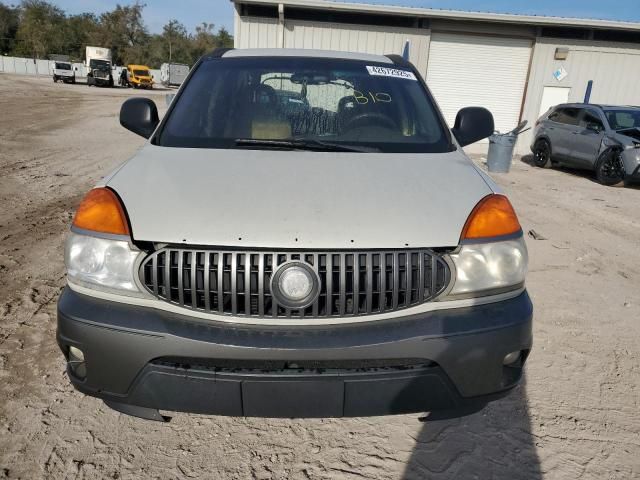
[(472, 124), (139, 115)]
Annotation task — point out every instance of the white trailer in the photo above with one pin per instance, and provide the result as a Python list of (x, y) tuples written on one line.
[(173, 74), (97, 53)]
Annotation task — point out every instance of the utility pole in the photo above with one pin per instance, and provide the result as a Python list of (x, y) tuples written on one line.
[(171, 23)]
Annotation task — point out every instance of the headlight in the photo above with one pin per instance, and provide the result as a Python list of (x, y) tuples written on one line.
[(491, 267), (101, 263)]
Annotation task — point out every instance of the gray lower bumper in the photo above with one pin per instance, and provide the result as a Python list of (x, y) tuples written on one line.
[(631, 162), (142, 357)]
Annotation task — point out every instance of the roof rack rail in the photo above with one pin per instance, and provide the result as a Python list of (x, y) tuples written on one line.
[(398, 60), (218, 52)]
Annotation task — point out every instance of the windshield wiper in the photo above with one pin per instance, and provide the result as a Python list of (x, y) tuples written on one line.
[(306, 144)]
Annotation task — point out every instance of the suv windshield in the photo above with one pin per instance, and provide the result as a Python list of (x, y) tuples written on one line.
[(141, 73), (341, 102), (620, 119)]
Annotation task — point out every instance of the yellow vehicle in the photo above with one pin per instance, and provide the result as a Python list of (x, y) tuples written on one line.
[(139, 76)]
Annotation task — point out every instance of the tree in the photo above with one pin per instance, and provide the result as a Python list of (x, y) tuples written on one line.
[(176, 38), (9, 22), (204, 40), (78, 32), (39, 31), (124, 32), (224, 38), (37, 28)]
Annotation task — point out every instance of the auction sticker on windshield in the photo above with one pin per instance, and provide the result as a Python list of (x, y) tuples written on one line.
[(390, 72)]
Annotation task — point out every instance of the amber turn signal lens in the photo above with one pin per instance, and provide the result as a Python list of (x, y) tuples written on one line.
[(101, 211), (493, 216)]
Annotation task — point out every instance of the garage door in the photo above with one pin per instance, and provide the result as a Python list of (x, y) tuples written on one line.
[(470, 70)]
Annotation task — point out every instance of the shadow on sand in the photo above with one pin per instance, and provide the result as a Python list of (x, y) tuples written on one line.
[(576, 172), (494, 443)]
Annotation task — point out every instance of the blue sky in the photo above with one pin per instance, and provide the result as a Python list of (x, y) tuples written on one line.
[(220, 12)]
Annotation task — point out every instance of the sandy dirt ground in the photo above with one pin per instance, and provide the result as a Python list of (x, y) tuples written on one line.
[(576, 415)]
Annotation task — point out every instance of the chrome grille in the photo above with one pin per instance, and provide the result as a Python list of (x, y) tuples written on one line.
[(238, 282)]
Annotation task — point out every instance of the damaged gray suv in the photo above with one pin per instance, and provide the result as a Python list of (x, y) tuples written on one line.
[(601, 138), (301, 236)]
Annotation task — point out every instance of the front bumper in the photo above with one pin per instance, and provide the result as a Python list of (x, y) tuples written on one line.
[(140, 360), (631, 162), (101, 81)]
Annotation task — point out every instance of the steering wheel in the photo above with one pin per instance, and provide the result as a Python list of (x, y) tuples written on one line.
[(262, 91), (368, 119)]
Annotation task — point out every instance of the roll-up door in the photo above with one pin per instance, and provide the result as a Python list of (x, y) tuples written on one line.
[(478, 70)]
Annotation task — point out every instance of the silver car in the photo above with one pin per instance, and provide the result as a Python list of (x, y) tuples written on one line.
[(601, 138), (301, 236)]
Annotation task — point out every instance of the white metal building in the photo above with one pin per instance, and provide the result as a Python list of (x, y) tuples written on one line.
[(517, 66)]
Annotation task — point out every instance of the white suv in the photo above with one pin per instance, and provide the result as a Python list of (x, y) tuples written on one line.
[(301, 236)]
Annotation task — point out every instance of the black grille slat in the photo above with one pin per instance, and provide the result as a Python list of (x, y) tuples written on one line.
[(239, 283), (369, 285), (396, 280), (316, 305), (408, 299), (434, 273), (274, 303), (356, 283), (220, 282), (383, 283), (154, 275), (260, 285), (329, 280), (205, 281), (343, 285), (234, 284), (167, 275), (194, 279), (421, 277), (247, 284), (181, 277)]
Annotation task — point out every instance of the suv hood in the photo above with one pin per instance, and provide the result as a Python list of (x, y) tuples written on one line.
[(629, 133), (298, 199)]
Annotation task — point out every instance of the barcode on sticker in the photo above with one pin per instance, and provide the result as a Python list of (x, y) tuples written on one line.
[(390, 72)]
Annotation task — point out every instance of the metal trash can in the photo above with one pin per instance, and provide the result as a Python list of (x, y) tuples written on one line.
[(501, 149), (501, 152)]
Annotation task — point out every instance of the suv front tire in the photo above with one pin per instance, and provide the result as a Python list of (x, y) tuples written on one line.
[(610, 169), (542, 154)]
